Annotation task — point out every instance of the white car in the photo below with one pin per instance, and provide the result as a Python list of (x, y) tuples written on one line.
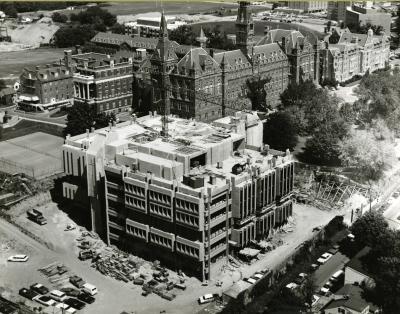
[(292, 286), (324, 291), (251, 280), (258, 275), (207, 298), (18, 258), (62, 306), (70, 310), (44, 300)]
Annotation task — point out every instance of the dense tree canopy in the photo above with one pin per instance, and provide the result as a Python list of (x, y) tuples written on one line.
[(3, 84), (257, 94), (217, 38), (82, 117), (368, 155), (383, 260), (379, 97), (59, 17), (68, 36), (280, 131), (94, 16)]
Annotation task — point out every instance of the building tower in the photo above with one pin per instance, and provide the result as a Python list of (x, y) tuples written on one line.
[(244, 28), (162, 62), (202, 39)]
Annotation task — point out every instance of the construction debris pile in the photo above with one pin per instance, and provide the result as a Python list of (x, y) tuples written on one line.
[(110, 261), (56, 272)]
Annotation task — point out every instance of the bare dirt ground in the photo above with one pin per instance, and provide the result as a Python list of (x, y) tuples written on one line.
[(33, 34), (115, 296)]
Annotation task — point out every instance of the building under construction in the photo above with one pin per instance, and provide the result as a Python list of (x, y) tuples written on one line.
[(187, 199)]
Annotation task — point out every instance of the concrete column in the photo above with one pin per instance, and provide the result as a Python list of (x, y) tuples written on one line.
[(87, 91)]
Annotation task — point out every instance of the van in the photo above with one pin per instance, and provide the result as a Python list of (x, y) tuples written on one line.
[(337, 275), (91, 289), (58, 295)]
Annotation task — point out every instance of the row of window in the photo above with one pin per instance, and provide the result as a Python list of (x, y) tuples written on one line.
[(187, 250), (155, 238), (115, 104), (136, 232), (158, 197), (188, 206), (135, 190), (187, 219), (159, 210), (135, 202)]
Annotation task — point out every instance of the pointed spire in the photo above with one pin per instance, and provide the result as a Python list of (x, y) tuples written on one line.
[(202, 32), (202, 39), (163, 26)]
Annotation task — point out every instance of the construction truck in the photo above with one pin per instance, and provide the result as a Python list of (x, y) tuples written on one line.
[(36, 216)]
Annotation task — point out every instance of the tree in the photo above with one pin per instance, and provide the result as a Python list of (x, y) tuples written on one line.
[(69, 36), (369, 156), (59, 18), (322, 149), (280, 131), (82, 117), (368, 228), (308, 290), (118, 28), (257, 94), (184, 35), (3, 84)]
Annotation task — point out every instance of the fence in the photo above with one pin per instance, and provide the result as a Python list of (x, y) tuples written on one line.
[(7, 134), (12, 167)]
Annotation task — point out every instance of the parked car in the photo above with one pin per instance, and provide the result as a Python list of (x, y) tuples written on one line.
[(85, 255), (36, 216), (250, 280), (75, 303), (207, 298), (258, 275), (44, 300), (71, 292), (300, 278), (39, 288), (324, 291), (28, 293), (180, 286), (85, 297), (77, 281), (58, 295), (18, 258), (324, 258), (314, 267), (89, 288), (292, 286), (336, 276)]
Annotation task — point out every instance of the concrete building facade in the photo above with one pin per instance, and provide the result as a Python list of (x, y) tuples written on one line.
[(308, 6), (102, 81), (189, 199), (365, 14), (348, 54), (337, 10)]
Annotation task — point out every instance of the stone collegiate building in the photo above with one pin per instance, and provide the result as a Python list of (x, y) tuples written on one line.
[(348, 54), (206, 85)]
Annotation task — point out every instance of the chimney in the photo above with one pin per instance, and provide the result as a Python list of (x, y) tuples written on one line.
[(213, 179), (78, 49), (211, 53), (266, 149), (284, 43), (287, 153), (273, 162), (266, 30), (92, 130), (37, 67), (68, 58), (87, 133), (110, 125), (114, 123), (150, 113)]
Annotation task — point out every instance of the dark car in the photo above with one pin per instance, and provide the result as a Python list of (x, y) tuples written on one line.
[(75, 303), (77, 281), (70, 291), (27, 293), (85, 297), (39, 288)]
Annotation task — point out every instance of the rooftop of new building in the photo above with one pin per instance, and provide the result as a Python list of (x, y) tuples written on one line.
[(210, 153)]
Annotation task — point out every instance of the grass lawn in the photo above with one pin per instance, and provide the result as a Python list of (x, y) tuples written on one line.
[(25, 127)]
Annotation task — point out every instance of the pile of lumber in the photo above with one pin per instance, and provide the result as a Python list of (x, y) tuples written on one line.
[(56, 272)]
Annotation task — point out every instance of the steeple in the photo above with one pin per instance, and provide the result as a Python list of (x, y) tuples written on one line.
[(163, 27), (202, 39), (245, 28)]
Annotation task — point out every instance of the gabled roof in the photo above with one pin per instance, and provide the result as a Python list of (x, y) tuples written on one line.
[(356, 262), (351, 299), (269, 50), (50, 72), (197, 59), (7, 91), (132, 42), (360, 39), (232, 59)]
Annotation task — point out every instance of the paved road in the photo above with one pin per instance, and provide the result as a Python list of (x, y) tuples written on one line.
[(325, 271), (392, 213)]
